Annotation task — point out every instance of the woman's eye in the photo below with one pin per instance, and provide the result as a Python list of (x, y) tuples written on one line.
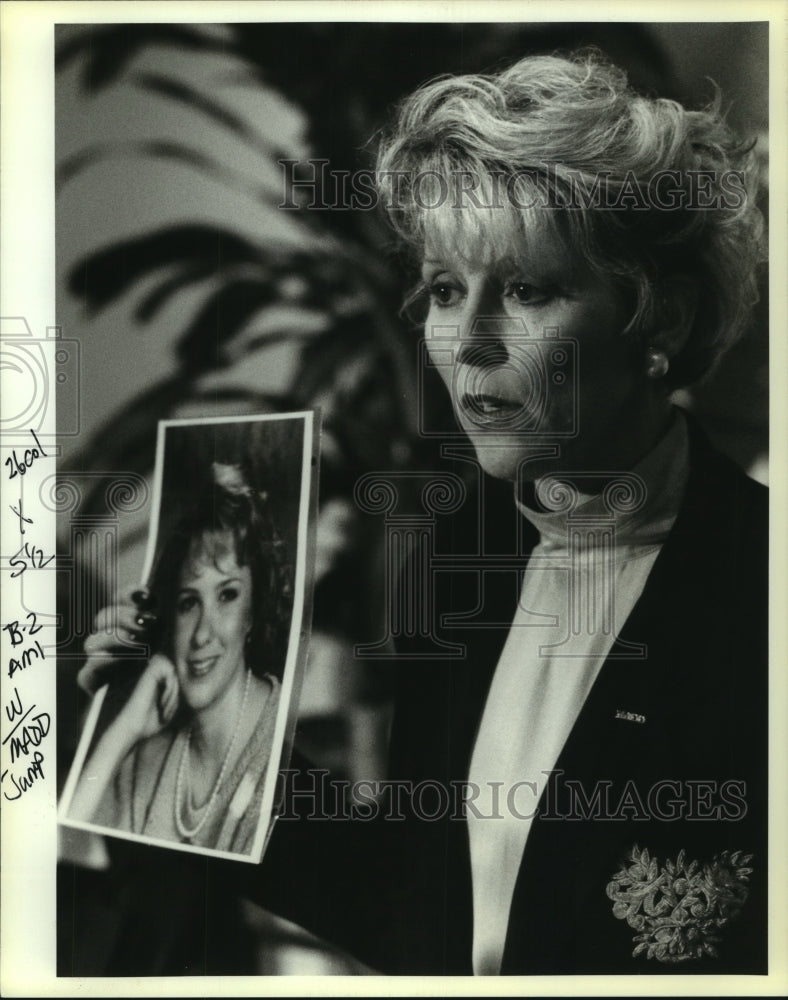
[(525, 293), (444, 292), (185, 604), (228, 594)]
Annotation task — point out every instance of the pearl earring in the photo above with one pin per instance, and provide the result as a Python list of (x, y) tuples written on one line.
[(657, 363)]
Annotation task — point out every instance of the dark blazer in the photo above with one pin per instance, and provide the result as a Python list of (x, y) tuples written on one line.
[(668, 756)]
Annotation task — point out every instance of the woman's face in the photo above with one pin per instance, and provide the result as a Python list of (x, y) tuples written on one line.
[(213, 616), (531, 350)]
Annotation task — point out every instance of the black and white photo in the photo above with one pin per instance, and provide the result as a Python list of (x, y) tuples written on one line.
[(185, 747), (398, 550)]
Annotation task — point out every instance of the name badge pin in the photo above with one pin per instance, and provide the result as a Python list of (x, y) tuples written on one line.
[(630, 716)]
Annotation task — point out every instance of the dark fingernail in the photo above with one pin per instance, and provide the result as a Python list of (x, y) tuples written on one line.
[(143, 599), (145, 618)]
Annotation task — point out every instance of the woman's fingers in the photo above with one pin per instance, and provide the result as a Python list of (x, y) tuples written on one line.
[(103, 642), (102, 649), (163, 667), (167, 709), (117, 619), (165, 671), (116, 628), (94, 673), (168, 702), (166, 679), (145, 714)]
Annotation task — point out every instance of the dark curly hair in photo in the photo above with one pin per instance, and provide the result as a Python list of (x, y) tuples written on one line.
[(231, 507)]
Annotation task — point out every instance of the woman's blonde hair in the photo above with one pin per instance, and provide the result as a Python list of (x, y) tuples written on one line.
[(642, 188)]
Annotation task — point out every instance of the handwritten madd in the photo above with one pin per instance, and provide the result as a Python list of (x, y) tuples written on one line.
[(28, 731), (30, 724)]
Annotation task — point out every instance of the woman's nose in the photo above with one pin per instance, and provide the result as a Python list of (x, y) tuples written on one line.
[(484, 329), (204, 630)]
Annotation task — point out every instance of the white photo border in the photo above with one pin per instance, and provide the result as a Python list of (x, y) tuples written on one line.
[(295, 658)]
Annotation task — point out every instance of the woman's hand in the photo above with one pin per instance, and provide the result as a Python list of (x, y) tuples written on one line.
[(152, 704), (116, 629)]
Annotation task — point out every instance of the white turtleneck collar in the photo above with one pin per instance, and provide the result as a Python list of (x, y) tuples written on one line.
[(656, 483)]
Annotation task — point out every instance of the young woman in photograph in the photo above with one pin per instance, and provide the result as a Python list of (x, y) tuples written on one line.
[(185, 758)]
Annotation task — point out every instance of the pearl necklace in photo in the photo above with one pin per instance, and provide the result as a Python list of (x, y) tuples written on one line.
[(180, 802)]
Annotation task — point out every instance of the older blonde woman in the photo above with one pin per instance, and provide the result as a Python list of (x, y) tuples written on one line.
[(584, 250), (582, 783)]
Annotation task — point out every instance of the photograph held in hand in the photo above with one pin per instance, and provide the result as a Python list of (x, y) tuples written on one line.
[(185, 749)]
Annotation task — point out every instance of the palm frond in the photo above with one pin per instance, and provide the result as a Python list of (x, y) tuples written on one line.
[(107, 50), (166, 149), (188, 96), (203, 343), (104, 275), (157, 299)]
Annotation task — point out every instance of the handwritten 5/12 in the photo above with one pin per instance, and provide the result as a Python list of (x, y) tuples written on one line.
[(29, 557)]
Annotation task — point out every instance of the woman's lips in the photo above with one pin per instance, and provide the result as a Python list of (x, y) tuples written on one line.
[(201, 667)]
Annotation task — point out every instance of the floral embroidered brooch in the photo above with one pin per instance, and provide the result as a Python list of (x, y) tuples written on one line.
[(678, 909)]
